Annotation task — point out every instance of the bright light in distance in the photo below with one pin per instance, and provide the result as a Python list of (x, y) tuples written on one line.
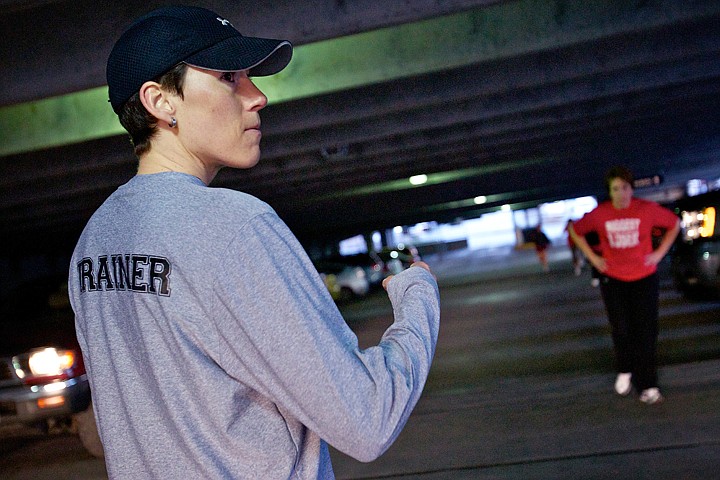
[(480, 200), (699, 224), (709, 222), (50, 362), (418, 179), (505, 208), (398, 229), (50, 402), (54, 387)]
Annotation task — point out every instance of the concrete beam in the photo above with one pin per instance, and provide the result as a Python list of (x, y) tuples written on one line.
[(472, 37), (57, 47)]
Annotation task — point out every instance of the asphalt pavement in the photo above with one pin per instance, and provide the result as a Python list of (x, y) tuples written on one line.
[(559, 427), (569, 424)]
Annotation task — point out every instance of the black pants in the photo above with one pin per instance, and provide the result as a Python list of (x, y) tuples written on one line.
[(632, 309)]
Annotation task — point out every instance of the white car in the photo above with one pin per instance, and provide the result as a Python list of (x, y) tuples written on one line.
[(343, 281)]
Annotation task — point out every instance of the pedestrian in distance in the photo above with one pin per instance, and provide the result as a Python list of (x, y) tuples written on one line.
[(629, 282), (213, 348), (542, 242), (577, 256)]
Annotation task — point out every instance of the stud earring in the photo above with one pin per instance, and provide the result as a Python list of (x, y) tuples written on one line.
[(173, 122)]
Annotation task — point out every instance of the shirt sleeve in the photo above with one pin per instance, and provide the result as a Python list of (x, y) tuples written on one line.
[(283, 336), (586, 224), (664, 217)]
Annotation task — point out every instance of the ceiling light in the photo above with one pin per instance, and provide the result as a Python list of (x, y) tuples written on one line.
[(418, 179)]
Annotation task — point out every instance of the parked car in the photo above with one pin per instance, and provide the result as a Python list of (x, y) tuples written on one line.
[(392, 261), (344, 282), (43, 381), (371, 263), (696, 254), (398, 258)]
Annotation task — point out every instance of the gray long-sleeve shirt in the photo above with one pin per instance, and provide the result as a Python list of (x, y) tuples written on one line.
[(214, 350)]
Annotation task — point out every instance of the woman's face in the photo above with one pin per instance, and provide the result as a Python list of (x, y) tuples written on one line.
[(621, 193), (218, 118)]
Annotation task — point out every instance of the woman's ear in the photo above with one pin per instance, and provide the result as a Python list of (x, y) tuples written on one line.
[(157, 102)]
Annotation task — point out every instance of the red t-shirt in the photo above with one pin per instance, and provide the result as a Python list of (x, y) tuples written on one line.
[(626, 235)]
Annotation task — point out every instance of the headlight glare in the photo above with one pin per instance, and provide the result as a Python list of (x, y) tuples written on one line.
[(50, 361), (46, 365), (698, 224)]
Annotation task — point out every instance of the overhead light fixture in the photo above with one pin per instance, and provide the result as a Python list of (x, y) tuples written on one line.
[(418, 179), (435, 179), (479, 200)]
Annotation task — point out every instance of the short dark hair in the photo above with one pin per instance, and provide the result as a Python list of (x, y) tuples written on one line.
[(620, 172), (137, 120)]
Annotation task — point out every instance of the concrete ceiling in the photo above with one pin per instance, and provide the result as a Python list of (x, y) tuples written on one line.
[(522, 102)]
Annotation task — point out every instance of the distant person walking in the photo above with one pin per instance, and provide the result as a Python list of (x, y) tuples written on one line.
[(629, 284), (542, 242), (577, 256)]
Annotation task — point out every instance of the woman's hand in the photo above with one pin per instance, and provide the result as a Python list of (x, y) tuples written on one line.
[(415, 264), (652, 259)]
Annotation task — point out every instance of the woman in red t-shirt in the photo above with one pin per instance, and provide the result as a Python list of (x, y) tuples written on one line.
[(629, 285)]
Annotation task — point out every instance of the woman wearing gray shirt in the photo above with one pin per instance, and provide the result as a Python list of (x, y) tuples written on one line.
[(213, 348)]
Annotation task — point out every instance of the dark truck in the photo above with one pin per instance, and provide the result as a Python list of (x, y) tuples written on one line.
[(696, 255), (43, 381)]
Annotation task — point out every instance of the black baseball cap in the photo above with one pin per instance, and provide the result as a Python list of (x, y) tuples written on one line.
[(156, 42)]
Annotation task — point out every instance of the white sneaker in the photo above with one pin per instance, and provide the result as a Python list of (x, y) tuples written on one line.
[(650, 396), (622, 384)]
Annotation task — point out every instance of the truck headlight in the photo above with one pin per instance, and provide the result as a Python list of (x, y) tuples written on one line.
[(45, 365), (698, 224)]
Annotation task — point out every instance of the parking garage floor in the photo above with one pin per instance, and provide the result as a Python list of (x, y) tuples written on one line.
[(542, 405)]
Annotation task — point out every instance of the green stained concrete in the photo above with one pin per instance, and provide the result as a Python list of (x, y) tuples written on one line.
[(493, 198), (434, 179), (475, 36), (57, 121)]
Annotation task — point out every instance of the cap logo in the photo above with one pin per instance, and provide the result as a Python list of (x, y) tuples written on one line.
[(223, 21)]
